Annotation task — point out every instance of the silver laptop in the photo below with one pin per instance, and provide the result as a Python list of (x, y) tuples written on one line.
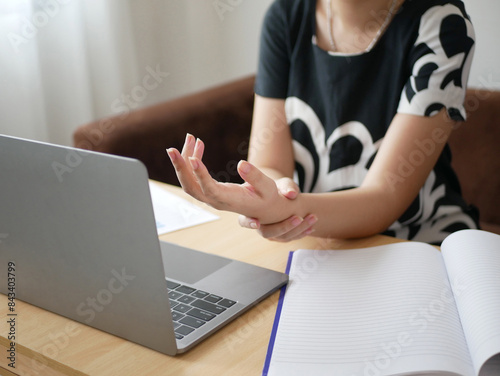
[(78, 228)]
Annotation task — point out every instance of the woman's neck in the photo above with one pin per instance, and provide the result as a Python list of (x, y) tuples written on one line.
[(354, 23), (357, 13)]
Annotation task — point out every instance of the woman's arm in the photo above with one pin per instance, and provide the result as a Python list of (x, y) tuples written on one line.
[(408, 153), (406, 156), (271, 151), (270, 140)]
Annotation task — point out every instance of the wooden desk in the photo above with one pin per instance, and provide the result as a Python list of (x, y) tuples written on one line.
[(48, 344)]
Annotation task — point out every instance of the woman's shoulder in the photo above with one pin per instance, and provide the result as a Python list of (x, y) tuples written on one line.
[(291, 10), (291, 17), (419, 19), (416, 8)]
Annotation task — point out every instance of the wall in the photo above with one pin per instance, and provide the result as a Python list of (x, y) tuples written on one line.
[(485, 71), (200, 43)]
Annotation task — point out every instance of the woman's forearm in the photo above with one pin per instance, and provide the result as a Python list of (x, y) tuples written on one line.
[(351, 213), (272, 173)]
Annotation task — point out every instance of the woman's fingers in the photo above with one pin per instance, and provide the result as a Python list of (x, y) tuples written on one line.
[(184, 174), (223, 196), (290, 229), (305, 228), (255, 179), (247, 222), (212, 191), (199, 148), (288, 188), (189, 145), (192, 148), (176, 159)]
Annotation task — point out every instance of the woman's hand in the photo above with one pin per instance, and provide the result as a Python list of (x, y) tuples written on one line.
[(257, 198), (292, 228)]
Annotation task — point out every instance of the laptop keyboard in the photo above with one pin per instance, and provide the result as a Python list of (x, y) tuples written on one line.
[(192, 308)]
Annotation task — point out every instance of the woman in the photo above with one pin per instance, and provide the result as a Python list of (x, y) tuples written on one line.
[(355, 100)]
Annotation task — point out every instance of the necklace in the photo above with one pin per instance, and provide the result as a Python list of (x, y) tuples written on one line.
[(377, 36)]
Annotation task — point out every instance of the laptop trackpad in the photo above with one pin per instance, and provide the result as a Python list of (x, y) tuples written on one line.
[(187, 265)]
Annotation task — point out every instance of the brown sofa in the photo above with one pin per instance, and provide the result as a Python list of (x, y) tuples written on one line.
[(221, 116)]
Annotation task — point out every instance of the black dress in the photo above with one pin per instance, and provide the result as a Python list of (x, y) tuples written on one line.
[(339, 106)]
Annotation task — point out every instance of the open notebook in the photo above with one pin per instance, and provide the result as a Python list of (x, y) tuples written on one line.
[(397, 309)]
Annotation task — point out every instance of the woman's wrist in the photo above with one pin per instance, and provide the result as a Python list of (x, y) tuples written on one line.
[(299, 205), (295, 207)]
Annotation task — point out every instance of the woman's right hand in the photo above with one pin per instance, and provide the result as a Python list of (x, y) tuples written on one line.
[(292, 228)]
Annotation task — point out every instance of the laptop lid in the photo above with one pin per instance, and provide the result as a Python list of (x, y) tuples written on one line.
[(79, 227)]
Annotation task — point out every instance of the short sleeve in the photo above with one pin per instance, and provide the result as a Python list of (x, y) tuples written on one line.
[(274, 61), (440, 62)]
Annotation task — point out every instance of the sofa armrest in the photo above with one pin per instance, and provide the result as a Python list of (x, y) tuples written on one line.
[(475, 155), (220, 116)]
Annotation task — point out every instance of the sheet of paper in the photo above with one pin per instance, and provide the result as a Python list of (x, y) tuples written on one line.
[(174, 213)]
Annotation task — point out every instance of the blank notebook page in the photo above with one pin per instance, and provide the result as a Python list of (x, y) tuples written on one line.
[(377, 311), (473, 262)]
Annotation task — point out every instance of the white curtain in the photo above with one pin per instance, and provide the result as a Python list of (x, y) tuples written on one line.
[(67, 62), (62, 63)]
